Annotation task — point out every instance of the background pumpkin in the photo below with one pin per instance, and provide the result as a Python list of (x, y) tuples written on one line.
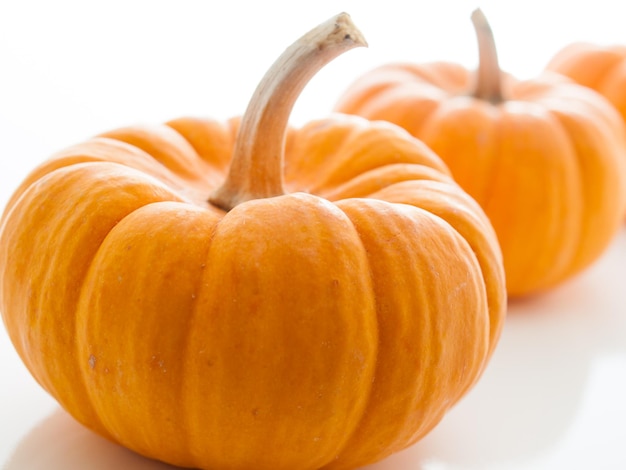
[(269, 327), (599, 67), (545, 157)]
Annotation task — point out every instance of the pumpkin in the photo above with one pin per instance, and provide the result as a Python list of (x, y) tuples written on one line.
[(544, 157), (246, 294), (599, 67)]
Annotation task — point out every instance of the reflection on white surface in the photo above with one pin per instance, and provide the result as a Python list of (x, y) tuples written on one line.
[(60, 443), (552, 397)]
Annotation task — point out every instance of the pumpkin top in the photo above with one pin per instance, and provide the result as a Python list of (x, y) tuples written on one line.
[(256, 167)]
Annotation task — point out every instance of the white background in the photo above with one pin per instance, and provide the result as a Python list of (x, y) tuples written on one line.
[(553, 395)]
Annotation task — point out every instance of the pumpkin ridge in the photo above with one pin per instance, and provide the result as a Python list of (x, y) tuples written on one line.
[(164, 144), (176, 192), (95, 151), (186, 412), (180, 191), (600, 62), (61, 182), (441, 131), (367, 149), (366, 407), (303, 171), (495, 164), (332, 166), (101, 361), (612, 131), (372, 181), (209, 182), (171, 151), (137, 153), (489, 197), (427, 195), (528, 270), (408, 333), (606, 74), (312, 206), (493, 329), (582, 256), (218, 165), (99, 427), (376, 361), (428, 106)]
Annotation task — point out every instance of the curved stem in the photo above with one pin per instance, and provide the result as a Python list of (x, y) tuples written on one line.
[(488, 76), (257, 160)]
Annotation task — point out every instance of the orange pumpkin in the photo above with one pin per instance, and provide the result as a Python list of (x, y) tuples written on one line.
[(180, 293), (545, 158), (601, 68)]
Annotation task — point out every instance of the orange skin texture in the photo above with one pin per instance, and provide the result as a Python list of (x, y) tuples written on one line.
[(324, 328), (599, 67), (547, 163)]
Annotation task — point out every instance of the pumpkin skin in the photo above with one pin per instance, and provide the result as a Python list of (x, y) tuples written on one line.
[(545, 158), (326, 327), (599, 67)]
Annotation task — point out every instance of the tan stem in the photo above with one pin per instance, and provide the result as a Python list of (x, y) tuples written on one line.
[(488, 76), (257, 160)]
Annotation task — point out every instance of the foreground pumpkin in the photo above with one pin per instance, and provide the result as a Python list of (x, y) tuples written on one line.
[(180, 295), (545, 158)]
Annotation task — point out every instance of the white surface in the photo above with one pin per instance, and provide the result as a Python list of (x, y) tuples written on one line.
[(553, 395)]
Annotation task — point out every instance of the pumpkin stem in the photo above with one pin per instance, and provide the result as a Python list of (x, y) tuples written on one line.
[(257, 160), (488, 76)]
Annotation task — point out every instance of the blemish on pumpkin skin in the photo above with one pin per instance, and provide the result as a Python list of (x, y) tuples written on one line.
[(157, 363), (92, 362)]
